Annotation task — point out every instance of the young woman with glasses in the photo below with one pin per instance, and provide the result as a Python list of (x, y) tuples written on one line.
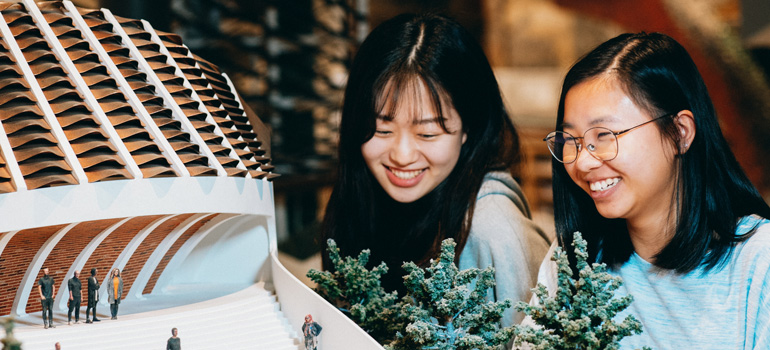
[(642, 170), (425, 153)]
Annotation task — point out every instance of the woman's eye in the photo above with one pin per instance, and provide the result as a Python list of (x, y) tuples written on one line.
[(382, 132), (604, 134), (428, 136)]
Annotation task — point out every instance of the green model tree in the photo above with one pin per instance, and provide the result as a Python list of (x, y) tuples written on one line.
[(9, 342), (357, 292), (579, 316), (447, 308), (443, 309)]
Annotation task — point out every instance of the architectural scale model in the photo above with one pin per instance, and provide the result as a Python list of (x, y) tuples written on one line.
[(119, 148)]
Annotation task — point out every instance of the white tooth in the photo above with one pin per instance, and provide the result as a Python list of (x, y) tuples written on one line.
[(406, 175), (603, 185)]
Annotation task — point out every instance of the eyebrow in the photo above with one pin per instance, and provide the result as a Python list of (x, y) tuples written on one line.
[(429, 120), (594, 122)]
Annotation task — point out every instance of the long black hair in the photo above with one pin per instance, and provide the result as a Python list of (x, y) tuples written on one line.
[(440, 53), (711, 190)]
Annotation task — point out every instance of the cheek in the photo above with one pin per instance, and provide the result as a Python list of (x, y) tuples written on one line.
[(651, 156), (445, 153), (372, 150)]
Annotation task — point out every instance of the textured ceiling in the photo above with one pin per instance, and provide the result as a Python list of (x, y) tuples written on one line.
[(86, 96)]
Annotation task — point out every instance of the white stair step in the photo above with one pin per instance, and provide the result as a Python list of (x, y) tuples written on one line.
[(246, 319)]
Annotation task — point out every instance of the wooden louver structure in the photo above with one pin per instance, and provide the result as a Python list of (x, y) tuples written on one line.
[(87, 96), (119, 148)]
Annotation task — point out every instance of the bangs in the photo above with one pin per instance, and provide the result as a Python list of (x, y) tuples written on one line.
[(408, 92)]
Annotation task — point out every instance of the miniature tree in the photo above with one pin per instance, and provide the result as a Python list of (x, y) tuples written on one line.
[(445, 310), (448, 309), (580, 315), (357, 292), (9, 342)]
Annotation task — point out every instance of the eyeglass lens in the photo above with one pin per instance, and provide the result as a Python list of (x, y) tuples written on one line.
[(600, 142)]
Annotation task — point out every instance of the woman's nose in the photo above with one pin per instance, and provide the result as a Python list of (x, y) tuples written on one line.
[(586, 161), (403, 150)]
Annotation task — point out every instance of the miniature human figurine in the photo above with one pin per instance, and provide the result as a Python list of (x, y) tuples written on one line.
[(426, 152), (174, 343), (311, 330), (75, 297), (641, 168), (47, 291), (114, 291), (93, 295)]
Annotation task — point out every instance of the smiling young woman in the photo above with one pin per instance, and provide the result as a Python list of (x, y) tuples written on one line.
[(426, 152), (642, 170), (410, 153)]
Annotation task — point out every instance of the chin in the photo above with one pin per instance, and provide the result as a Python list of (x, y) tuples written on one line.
[(609, 213), (404, 195), (405, 199)]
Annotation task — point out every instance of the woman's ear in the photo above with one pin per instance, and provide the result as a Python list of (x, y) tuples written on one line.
[(685, 124)]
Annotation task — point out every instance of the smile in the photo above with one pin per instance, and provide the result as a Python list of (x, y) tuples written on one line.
[(405, 178), (406, 175), (604, 185)]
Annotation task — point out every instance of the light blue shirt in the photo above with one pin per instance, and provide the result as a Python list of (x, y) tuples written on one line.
[(727, 308)]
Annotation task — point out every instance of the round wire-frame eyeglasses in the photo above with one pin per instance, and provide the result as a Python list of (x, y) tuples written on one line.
[(601, 143)]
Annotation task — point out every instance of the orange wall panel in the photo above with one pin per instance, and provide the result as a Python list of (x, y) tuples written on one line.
[(172, 251), (108, 251), (16, 259), (140, 256)]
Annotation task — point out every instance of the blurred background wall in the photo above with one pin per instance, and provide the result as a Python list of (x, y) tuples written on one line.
[(289, 62)]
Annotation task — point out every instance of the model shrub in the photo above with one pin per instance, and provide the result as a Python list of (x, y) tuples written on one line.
[(448, 309)]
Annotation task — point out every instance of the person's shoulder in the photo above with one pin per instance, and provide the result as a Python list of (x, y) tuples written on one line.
[(756, 248), (498, 189), (758, 228), (499, 182), (501, 213)]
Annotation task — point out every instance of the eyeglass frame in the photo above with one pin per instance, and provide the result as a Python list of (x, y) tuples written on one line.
[(579, 144)]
